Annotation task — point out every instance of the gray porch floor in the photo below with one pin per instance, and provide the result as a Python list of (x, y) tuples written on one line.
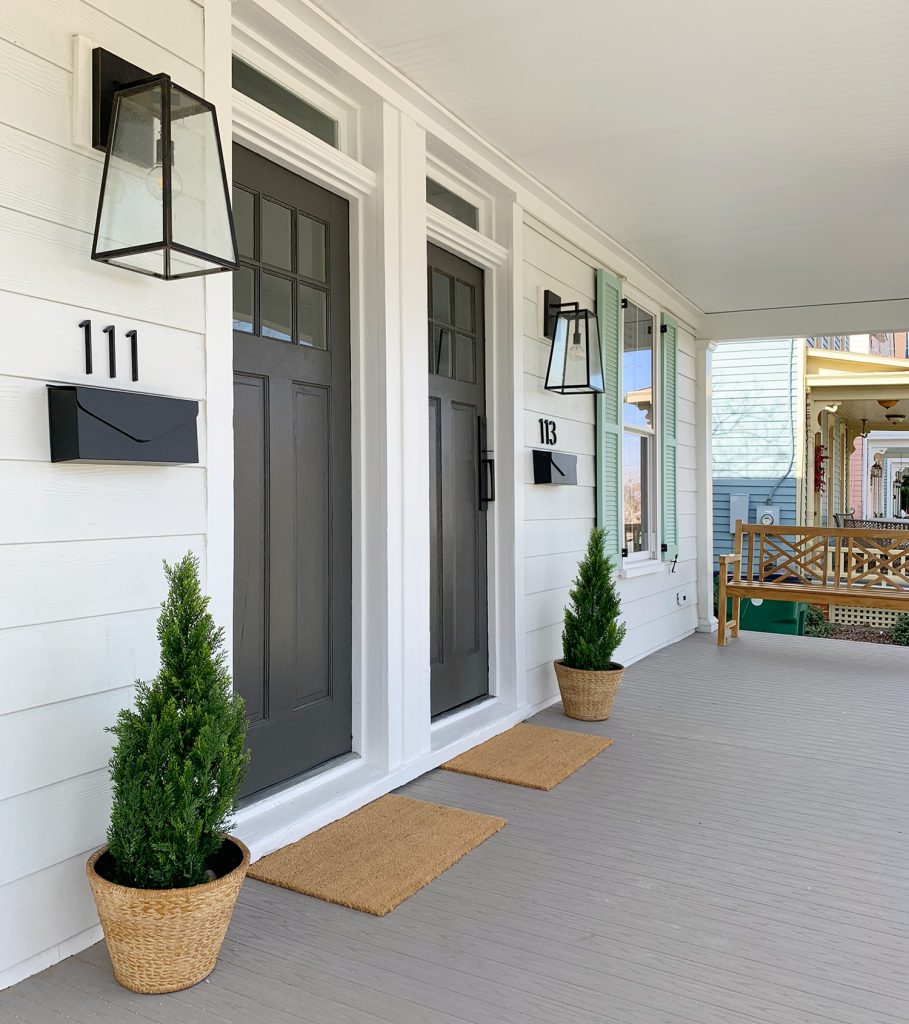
[(739, 854)]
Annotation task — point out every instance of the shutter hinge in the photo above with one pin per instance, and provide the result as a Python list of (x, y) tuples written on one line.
[(624, 552), (664, 548), (624, 303), (664, 328)]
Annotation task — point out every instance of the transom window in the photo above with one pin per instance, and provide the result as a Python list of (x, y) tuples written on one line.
[(449, 202), (282, 101), (281, 288), (639, 439)]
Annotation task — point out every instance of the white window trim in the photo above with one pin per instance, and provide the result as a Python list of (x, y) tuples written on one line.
[(299, 150), (461, 184), (640, 563), (645, 566), (299, 78)]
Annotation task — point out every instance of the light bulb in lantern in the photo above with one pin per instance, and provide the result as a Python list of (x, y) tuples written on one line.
[(576, 349), (154, 178)]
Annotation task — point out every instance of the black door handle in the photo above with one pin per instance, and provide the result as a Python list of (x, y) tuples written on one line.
[(487, 488), (487, 482)]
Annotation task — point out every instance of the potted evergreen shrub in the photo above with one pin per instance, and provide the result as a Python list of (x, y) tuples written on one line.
[(166, 883), (588, 677)]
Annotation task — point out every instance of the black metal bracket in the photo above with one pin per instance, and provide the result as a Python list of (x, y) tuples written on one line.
[(109, 74), (552, 306), (624, 552)]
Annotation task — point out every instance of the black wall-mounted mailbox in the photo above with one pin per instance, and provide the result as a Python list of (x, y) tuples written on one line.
[(104, 425), (551, 467)]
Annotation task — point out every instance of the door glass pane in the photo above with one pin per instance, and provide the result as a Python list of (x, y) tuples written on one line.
[(636, 491), (244, 204), (637, 367), (440, 354), (311, 326), (244, 300), (466, 359), (464, 306), (440, 302), (310, 248), (276, 227), (277, 299)]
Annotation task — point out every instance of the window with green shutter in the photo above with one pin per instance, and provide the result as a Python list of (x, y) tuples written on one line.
[(637, 431)]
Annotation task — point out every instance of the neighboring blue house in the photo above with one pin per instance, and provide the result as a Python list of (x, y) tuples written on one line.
[(756, 388)]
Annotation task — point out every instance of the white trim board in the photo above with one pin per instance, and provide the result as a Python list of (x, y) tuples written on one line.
[(337, 46)]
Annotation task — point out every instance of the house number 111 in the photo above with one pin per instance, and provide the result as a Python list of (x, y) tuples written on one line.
[(548, 432)]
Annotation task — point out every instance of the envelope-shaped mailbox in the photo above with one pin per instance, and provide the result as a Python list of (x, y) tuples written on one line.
[(551, 467), (104, 425)]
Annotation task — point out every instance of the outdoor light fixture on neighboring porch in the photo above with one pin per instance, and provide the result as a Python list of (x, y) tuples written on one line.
[(164, 208), (575, 366)]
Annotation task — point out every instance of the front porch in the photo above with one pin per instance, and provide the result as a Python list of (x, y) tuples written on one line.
[(739, 854)]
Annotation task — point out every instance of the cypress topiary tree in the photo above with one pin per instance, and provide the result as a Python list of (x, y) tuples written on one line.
[(592, 629), (179, 759)]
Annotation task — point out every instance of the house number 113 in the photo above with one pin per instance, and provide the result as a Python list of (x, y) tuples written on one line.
[(548, 432)]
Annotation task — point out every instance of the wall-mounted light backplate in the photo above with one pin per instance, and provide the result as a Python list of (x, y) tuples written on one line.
[(551, 302), (109, 73), (82, 91)]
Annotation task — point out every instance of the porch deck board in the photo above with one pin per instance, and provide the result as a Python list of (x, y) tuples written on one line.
[(738, 855)]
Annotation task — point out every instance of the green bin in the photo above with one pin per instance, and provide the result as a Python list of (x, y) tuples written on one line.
[(787, 617)]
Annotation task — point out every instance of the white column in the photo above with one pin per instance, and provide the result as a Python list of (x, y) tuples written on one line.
[(219, 355), (704, 497), (404, 421)]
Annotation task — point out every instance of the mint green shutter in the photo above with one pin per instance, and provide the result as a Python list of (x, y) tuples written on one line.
[(668, 398), (609, 414)]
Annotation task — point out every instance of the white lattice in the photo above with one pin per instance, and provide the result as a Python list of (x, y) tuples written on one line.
[(862, 616)]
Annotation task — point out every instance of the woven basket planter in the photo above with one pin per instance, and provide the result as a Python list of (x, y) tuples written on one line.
[(164, 940), (588, 696)]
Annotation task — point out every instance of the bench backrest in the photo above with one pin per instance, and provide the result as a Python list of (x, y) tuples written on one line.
[(829, 556)]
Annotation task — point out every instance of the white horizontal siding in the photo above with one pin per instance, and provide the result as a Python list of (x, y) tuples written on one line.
[(61, 661), (81, 546), (558, 519)]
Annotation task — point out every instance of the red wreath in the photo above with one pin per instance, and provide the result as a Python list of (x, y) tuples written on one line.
[(820, 470)]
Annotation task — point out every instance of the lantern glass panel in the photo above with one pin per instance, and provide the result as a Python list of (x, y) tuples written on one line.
[(201, 215), (131, 202)]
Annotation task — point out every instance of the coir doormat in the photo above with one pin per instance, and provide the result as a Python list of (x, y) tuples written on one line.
[(375, 858), (530, 755)]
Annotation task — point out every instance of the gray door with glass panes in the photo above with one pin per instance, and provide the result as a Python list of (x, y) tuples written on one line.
[(292, 470), (457, 505)]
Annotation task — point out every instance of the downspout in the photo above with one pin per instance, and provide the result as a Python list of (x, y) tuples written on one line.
[(769, 499)]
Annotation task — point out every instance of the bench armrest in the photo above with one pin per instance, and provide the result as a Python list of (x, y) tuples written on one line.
[(726, 559)]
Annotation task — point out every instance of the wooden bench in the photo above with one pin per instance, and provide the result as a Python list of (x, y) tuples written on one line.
[(819, 565)]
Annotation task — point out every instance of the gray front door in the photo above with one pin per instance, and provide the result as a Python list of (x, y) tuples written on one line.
[(457, 515), (292, 470)]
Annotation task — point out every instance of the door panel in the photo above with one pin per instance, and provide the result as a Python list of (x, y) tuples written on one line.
[(292, 622), (457, 600)]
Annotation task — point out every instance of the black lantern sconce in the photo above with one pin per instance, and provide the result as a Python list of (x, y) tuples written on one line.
[(164, 208), (575, 366)]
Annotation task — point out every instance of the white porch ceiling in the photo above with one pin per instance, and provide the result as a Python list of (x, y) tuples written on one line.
[(756, 155)]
